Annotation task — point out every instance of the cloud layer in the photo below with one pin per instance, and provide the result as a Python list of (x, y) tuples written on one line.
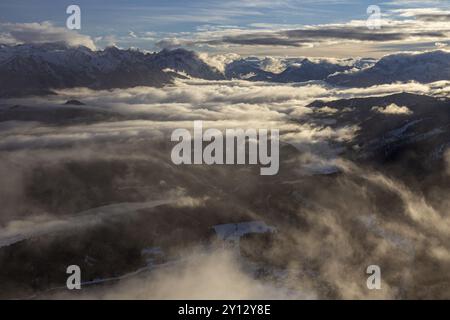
[(105, 173), (44, 32)]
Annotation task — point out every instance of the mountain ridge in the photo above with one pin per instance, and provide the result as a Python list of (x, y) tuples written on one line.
[(39, 69), (423, 67)]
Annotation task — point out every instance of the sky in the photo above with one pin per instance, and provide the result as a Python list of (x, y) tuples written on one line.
[(335, 28)]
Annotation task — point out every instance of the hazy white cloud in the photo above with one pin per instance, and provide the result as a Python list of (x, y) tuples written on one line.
[(326, 109), (35, 226), (17, 33), (195, 276), (218, 61), (392, 109), (44, 224), (220, 104)]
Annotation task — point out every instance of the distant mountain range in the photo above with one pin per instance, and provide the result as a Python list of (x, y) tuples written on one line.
[(40, 68), (295, 70), (37, 69), (424, 68)]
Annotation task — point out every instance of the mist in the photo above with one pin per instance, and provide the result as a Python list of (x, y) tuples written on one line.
[(98, 189)]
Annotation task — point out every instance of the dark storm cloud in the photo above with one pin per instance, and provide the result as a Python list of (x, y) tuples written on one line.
[(357, 33), (308, 36), (261, 39)]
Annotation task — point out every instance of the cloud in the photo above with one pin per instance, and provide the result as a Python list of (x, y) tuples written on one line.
[(424, 14), (327, 109), (152, 113), (218, 61), (43, 32), (195, 276), (35, 226), (392, 109), (350, 230), (330, 227), (40, 225), (399, 27), (309, 36), (415, 205)]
